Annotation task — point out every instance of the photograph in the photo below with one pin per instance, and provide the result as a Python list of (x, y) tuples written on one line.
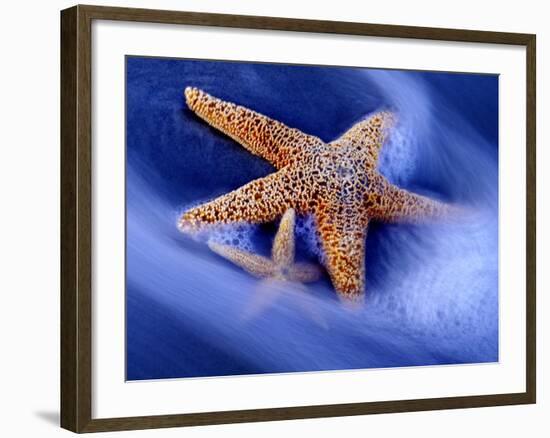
[(287, 218), (275, 220)]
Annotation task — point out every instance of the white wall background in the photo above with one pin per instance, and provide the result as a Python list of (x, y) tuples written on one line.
[(29, 227)]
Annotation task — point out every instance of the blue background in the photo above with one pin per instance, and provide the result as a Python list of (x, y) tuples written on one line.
[(432, 291)]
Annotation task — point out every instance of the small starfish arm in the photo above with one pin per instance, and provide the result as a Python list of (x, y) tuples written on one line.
[(261, 200), (260, 134), (304, 272), (369, 134), (343, 242), (397, 205), (282, 252), (267, 293), (270, 290), (254, 264)]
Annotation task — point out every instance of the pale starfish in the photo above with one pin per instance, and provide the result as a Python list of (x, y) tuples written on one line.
[(337, 182), (279, 274), (281, 266)]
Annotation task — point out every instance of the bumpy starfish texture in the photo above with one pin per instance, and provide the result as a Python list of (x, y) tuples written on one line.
[(281, 265), (337, 182)]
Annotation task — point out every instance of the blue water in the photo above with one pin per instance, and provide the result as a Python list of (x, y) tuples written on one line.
[(432, 290)]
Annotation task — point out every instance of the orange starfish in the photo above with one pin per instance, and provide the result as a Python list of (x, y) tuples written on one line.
[(337, 182)]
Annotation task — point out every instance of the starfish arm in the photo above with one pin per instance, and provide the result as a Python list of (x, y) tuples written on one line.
[(369, 134), (254, 264), (261, 135), (283, 245), (399, 205), (265, 296), (343, 241), (304, 272), (261, 200), (270, 290)]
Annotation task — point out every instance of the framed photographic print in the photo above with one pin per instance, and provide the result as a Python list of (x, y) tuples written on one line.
[(324, 218)]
